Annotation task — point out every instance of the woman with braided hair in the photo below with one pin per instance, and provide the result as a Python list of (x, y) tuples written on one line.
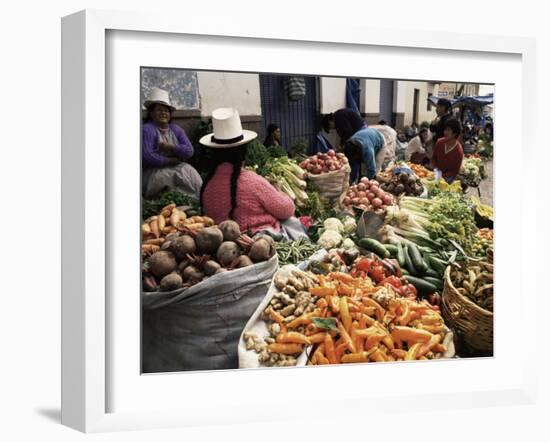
[(231, 192)]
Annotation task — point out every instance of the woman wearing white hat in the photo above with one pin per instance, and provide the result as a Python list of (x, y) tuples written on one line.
[(231, 192), (165, 147)]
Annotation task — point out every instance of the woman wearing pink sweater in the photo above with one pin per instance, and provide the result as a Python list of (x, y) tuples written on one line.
[(229, 191)]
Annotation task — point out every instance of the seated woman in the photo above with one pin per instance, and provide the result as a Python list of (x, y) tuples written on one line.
[(322, 140), (419, 150), (231, 192), (273, 136), (448, 154), (164, 148)]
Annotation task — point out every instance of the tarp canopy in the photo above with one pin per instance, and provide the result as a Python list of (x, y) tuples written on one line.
[(473, 101)]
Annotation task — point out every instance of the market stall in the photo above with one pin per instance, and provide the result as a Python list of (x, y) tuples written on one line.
[(396, 268)]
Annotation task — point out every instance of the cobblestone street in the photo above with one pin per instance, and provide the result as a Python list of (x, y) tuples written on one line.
[(486, 186)]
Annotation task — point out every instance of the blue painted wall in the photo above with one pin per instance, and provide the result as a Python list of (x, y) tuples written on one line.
[(182, 86)]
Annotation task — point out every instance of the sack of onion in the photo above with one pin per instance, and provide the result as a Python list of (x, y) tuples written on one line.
[(324, 162)]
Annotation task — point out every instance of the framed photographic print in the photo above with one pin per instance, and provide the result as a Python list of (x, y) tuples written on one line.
[(244, 211)]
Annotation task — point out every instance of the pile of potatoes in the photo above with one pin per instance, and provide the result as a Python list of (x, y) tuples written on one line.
[(185, 251)]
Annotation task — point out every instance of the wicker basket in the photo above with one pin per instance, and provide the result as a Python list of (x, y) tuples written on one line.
[(474, 323)]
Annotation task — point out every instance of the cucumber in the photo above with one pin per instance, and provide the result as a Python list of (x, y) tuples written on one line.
[(400, 255), (374, 246), (435, 281), (433, 273), (437, 264), (421, 285), (416, 258), (392, 248), (408, 263)]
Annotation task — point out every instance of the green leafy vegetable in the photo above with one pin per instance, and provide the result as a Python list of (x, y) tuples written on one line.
[(325, 323), (154, 206)]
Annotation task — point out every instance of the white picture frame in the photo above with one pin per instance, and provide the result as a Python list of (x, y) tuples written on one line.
[(88, 358)]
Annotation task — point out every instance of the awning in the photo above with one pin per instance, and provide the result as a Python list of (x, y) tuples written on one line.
[(472, 100)]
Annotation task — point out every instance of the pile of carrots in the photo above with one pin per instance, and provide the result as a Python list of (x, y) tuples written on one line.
[(421, 172), (355, 321)]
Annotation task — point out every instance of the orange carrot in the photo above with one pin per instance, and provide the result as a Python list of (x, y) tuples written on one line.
[(398, 353), (334, 303), (322, 360), (317, 338), (340, 350), (344, 313), (302, 320), (322, 303), (365, 321), (293, 338), (346, 338), (286, 349), (409, 334), (353, 358), (373, 341), (413, 352), (329, 349), (276, 316), (377, 356), (322, 291)]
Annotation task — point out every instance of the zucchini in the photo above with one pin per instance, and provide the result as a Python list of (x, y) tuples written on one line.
[(374, 246), (416, 258), (392, 248), (433, 273), (423, 286), (435, 281), (400, 255), (408, 263), (404, 271)]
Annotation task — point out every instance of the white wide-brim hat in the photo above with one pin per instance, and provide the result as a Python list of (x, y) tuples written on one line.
[(158, 96), (228, 131)]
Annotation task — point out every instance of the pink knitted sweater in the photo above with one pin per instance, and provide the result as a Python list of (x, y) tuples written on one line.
[(259, 204)]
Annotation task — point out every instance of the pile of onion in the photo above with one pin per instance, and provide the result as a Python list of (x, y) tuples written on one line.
[(324, 162), (367, 195)]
